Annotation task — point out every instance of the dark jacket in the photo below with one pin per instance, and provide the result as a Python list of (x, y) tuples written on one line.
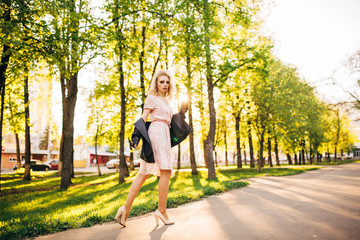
[(179, 130)]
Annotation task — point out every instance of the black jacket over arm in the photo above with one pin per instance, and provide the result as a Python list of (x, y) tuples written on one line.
[(179, 130)]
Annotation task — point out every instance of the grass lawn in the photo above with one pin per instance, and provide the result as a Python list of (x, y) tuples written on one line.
[(39, 207)]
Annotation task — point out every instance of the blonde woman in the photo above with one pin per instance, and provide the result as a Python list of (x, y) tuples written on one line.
[(164, 131)]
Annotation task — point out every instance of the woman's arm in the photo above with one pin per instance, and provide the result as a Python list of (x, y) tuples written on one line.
[(146, 113)]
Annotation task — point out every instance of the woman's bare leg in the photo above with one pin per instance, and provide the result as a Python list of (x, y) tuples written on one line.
[(134, 189), (163, 190)]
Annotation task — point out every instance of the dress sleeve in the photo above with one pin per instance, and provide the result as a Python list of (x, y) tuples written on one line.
[(149, 103)]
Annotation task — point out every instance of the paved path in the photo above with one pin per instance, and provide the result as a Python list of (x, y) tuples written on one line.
[(321, 204)]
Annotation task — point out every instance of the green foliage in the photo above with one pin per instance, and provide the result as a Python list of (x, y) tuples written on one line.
[(338, 134), (191, 38)]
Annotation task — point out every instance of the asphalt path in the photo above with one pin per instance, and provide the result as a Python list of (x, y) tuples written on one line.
[(321, 204)]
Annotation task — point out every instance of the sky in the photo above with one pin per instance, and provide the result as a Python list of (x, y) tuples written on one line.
[(316, 36)]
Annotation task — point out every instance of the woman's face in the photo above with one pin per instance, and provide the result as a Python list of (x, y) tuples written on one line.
[(163, 84)]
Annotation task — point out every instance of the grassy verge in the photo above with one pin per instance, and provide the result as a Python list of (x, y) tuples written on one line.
[(338, 162), (39, 207)]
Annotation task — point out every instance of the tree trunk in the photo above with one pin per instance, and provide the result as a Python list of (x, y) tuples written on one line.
[(303, 156), (245, 161), (49, 143), (202, 118), (269, 152), (5, 57), (18, 157), (142, 73), (216, 160), (277, 152), (123, 168), (295, 159), (226, 147), (2, 89), (132, 167), (17, 141), (300, 158), (72, 173), (311, 153), (337, 133), (233, 157), (96, 145), (209, 142), (238, 148), (251, 148), (69, 95), (60, 155), (261, 151), (289, 158), (27, 175), (191, 136), (179, 157)]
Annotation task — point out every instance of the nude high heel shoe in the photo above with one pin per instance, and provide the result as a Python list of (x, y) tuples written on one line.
[(120, 216), (158, 215)]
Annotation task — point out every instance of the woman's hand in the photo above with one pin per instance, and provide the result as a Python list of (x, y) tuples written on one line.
[(137, 146)]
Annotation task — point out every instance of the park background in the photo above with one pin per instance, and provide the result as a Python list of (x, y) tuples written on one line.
[(271, 85), (318, 49)]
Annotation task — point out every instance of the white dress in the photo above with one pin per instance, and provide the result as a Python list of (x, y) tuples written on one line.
[(159, 134)]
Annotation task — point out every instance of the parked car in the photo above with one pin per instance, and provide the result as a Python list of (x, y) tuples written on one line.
[(35, 165), (343, 156), (113, 163), (136, 162), (54, 164)]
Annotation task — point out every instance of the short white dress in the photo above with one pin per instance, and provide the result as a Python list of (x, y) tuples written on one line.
[(159, 134)]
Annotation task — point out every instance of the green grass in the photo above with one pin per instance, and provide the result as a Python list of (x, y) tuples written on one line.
[(338, 162), (39, 207)]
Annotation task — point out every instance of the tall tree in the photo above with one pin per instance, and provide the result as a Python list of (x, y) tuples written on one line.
[(20, 27), (70, 38), (27, 125), (188, 50), (120, 39), (209, 142), (269, 152), (6, 30), (15, 114)]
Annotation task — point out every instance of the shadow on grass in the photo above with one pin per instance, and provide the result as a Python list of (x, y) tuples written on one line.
[(94, 200)]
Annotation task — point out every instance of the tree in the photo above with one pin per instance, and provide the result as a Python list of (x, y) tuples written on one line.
[(96, 107), (15, 115), (188, 48), (6, 30), (20, 28), (209, 142), (70, 38), (261, 96), (121, 44), (352, 65)]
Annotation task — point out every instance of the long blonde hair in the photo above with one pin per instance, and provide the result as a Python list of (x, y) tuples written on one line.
[(153, 90)]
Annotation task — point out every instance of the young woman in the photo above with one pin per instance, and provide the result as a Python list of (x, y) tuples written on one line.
[(156, 154)]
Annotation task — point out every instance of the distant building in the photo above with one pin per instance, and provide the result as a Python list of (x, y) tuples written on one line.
[(356, 150), (84, 156), (9, 151)]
